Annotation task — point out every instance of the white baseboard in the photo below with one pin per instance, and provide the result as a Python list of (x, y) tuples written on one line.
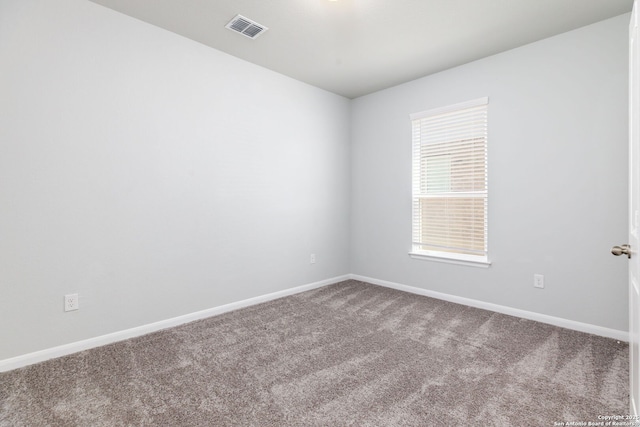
[(63, 350), (543, 318)]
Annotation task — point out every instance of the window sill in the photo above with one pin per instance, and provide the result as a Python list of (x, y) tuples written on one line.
[(451, 259)]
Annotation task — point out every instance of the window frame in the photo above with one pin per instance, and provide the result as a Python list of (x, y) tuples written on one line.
[(420, 174)]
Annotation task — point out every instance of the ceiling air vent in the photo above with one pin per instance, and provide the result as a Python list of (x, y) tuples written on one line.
[(246, 27)]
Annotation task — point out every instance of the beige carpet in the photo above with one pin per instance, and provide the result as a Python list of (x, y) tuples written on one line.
[(347, 354)]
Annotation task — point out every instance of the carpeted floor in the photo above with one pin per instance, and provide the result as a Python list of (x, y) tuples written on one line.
[(346, 354)]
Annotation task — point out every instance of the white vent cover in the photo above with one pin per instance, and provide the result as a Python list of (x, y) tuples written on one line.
[(246, 27)]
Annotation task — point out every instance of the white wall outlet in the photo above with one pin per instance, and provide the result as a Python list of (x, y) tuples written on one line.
[(538, 281), (71, 302), (312, 259)]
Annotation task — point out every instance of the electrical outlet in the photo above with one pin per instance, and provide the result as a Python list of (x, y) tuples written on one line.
[(71, 302), (312, 259), (538, 281)]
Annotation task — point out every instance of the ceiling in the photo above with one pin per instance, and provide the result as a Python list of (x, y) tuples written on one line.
[(355, 47)]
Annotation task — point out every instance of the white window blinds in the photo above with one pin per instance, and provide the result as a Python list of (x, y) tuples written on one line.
[(450, 181)]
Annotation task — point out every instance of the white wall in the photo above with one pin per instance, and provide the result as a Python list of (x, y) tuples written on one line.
[(153, 175), (557, 177)]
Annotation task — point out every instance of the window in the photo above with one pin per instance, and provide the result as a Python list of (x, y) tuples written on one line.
[(450, 183)]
